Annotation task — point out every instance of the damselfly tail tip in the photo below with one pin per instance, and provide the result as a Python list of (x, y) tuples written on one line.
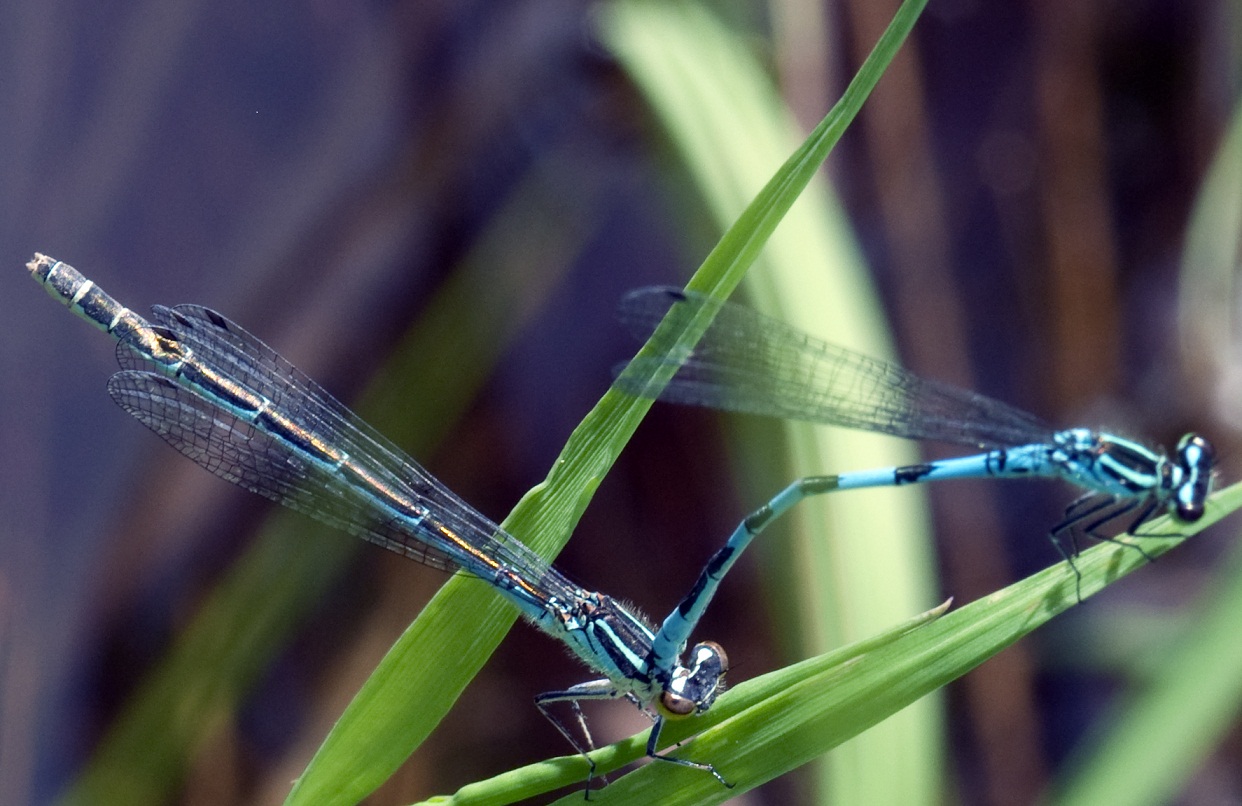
[(37, 261)]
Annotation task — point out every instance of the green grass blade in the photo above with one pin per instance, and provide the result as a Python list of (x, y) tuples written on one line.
[(770, 725), (730, 128), (631, 25), (465, 622)]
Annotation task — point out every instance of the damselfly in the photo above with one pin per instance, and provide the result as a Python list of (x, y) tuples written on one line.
[(750, 363), (229, 402)]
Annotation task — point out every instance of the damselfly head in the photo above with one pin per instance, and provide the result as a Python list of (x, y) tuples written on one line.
[(694, 687), (1196, 457)]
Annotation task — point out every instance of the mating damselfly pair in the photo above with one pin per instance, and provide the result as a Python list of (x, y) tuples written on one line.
[(233, 405)]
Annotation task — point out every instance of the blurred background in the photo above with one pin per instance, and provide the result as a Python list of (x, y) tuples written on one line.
[(433, 208)]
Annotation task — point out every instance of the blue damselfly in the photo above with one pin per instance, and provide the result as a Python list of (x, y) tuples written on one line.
[(232, 404), (750, 363)]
